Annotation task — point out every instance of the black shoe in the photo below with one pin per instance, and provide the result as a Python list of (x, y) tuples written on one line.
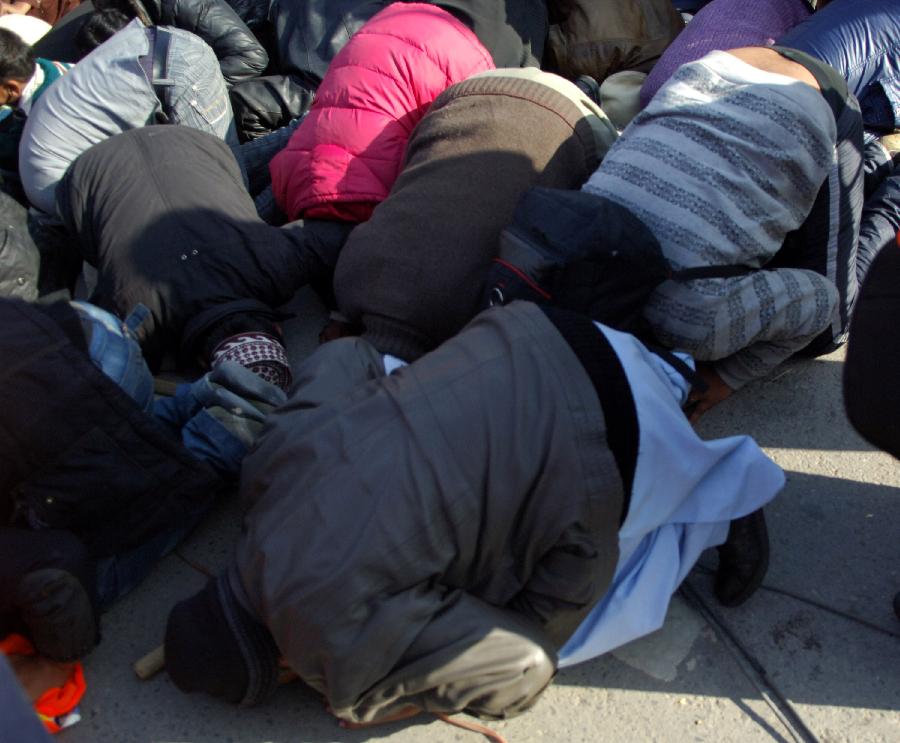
[(743, 560), (58, 612)]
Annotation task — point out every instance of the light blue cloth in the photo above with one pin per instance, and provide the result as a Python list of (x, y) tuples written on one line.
[(392, 363), (685, 492)]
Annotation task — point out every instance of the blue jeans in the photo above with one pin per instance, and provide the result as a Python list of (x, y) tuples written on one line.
[(113, 348), (73, 116), (254, 158), (200, 100), (219, 416), (119, 574), (199, 95)]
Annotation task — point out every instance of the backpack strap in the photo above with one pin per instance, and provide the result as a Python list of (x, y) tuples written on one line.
[(710, 272), (161, 81)]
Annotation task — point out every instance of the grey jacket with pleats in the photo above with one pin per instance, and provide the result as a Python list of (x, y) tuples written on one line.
[(433, 536)]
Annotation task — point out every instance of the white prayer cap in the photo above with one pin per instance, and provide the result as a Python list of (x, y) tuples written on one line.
[(620, 96), (25, 27)]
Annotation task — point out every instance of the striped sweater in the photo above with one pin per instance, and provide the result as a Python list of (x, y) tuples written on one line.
[(723, 163)]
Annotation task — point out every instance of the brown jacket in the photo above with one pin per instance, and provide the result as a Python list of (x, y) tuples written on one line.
[(413, 274), (601, 37)]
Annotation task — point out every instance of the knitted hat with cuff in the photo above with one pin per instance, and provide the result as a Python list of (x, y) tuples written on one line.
[(215, 646)]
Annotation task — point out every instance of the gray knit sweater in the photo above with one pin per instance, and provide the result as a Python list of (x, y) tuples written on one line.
[(723, 163)]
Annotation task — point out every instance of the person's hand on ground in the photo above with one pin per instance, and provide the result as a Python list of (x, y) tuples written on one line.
[(716, 391), (286, 674), (335, 329)]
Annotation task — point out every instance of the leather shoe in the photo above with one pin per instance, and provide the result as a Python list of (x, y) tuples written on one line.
[(743, 560)]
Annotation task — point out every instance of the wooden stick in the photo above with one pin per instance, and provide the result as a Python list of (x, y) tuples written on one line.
[(151, 664)]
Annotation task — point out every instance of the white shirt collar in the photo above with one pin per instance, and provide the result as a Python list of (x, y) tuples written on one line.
[(27, 98)]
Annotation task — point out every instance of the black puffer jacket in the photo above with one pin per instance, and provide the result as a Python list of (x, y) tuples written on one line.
[(240, 55), (311, 32), (264, 104), (252, 12)]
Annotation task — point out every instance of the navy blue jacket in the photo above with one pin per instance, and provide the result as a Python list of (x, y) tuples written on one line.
[(861, 40)]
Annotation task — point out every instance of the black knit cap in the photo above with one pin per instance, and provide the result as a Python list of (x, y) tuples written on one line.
[(215, 646)]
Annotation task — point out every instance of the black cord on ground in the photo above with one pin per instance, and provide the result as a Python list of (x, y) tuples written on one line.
[(819, 605), (752, 669)]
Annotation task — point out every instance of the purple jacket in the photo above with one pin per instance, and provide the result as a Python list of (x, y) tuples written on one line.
[(725, 24)]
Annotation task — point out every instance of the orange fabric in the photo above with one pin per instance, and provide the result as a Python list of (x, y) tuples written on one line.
[(56, 702), (15, 644)]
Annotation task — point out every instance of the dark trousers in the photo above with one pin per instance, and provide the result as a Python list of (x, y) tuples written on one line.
[(827, 242), (872, 367)]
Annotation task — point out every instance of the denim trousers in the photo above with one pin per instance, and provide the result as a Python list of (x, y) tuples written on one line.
[(187, 90), (115, 351), (197, 93), (199, 99), (119, 574), (254, 158)]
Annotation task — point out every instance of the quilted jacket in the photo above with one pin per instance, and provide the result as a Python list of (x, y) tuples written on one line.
[(345, 156)]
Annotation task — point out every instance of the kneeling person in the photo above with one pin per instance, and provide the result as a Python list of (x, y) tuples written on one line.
[(433, 536), (751, 159)]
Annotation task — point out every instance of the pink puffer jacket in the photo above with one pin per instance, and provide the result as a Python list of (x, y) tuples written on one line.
[(345, 156)]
